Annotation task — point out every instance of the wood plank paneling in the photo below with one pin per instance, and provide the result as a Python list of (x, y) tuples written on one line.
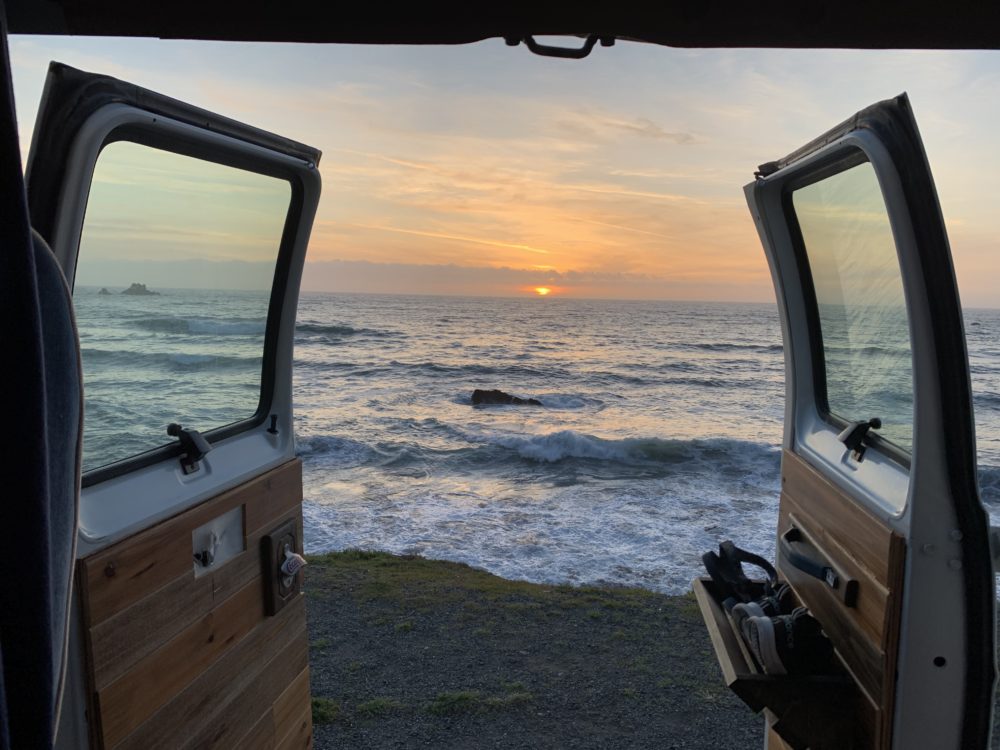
[(129, 701), (128, 636), (289, 705), (130, 570), (837, 517), (300, 735), (243, 707), (260, 736), (177, 661), (862, 650), (864, 548), (194, 710)]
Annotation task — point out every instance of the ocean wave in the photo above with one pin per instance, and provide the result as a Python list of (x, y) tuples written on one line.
[(731, 347), (477, 370), (569, 444), (203, 326), (340, 331), (569, 402), (456, 449), (336, 452), (986, 399), (168, 360)]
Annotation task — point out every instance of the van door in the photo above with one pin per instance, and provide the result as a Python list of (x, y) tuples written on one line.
[(182, 234), (881, 531)]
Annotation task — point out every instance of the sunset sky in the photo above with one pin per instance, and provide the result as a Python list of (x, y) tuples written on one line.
[(483, 169)]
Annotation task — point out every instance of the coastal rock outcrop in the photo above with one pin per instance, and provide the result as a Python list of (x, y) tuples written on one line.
[(140, 290), (499, 397)]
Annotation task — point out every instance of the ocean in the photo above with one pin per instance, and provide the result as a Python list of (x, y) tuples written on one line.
[(657, 438)]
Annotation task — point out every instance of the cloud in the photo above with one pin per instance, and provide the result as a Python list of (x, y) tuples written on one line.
[(358, 276), (599, 125), (457, 238)]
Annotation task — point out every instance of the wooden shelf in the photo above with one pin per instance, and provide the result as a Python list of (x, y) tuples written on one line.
[(806, 711)]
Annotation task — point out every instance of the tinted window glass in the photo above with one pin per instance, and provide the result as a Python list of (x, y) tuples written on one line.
[(859, 291), (173, 281)]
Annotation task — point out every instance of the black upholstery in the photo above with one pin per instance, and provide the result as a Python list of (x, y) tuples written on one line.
[(40, 439)]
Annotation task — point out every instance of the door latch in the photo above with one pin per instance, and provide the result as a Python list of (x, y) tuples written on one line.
[(192, 443), (853, 436)]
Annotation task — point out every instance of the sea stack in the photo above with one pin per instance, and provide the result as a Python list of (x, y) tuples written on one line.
[(140, 290)]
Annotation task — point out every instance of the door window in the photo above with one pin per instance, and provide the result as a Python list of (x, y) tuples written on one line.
[(868, 370), (173, 283)]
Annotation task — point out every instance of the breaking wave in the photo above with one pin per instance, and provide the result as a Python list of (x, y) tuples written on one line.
[(203, 326)]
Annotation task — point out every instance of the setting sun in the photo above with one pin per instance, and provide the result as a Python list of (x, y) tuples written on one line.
[(542, 291)]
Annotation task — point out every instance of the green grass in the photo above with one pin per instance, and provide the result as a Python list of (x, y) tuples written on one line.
[(474, 702), (510, 700), (324, 710), (421, 585), (458, 702), (378, 707)]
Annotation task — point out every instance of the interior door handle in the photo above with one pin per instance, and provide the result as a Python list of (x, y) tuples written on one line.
[(803, 555)]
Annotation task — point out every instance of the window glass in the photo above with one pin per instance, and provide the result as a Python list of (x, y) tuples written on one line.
[(859, 291), (173, 281)]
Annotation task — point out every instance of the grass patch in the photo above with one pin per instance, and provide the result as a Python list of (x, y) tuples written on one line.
[(420, 584), (500, 702), (404, 627), (689, 605), (325, 711), (378, 707), (321, 643), (474, 702), (459, 702)]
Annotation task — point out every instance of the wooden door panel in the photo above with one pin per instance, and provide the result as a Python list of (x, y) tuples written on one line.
[(177, 660), (864, 548)]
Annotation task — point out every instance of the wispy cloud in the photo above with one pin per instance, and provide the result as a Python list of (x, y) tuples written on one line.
[(456, 238), (483, 157)]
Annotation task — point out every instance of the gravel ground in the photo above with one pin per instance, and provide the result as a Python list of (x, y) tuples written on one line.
[(410, 653)]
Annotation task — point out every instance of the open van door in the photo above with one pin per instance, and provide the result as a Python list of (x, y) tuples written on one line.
[(183, 235), (881, 532)]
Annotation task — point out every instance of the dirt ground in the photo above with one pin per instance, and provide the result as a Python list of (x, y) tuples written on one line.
[(411, 653)]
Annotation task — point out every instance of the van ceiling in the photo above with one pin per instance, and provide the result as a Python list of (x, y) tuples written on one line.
[(679, 23)]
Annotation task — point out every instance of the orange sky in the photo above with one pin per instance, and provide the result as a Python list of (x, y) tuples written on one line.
[(485, 170)]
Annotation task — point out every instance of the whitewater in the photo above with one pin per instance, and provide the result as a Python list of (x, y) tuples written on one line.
[(657, 438), (659, 434)]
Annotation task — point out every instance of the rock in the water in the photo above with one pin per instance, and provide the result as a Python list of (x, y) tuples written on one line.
[(104, 290), (499, 397), (139, 290)]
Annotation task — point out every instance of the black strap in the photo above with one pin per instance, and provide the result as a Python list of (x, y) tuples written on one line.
[(731, 582)]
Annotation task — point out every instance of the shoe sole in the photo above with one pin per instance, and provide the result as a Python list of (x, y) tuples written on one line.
[(766, 648)]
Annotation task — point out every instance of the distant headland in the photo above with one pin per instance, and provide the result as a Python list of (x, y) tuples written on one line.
[(139, 290)]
